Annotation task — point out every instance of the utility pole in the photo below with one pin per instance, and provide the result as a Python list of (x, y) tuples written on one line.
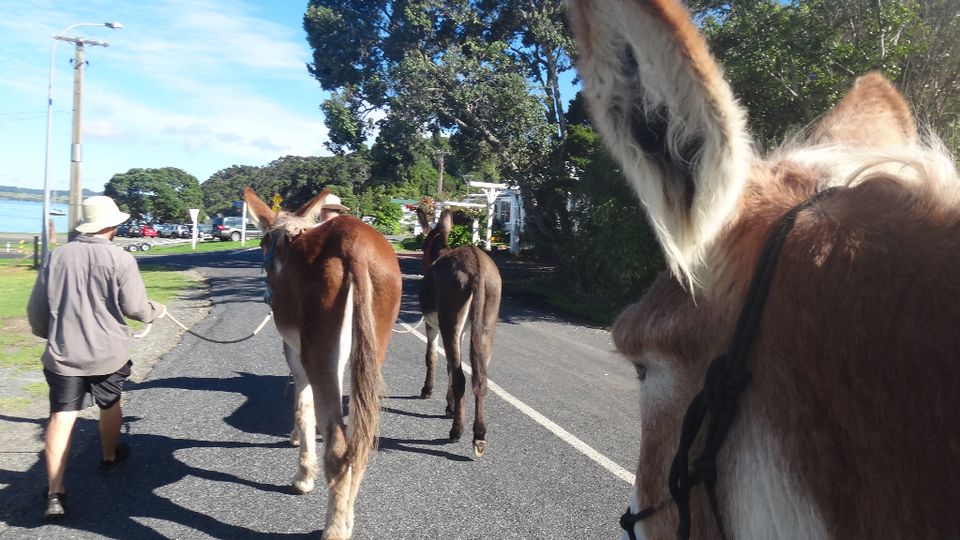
[(440, 153), (45, 227), (76, 146)]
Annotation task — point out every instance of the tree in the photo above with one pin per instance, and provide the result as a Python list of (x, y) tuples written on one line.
[(386, 215), (486, 73), (296, 179), (164, 194), (611, 253), (788, 62)]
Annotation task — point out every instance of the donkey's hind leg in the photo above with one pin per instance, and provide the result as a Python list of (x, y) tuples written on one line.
[(299, 382), (336, 467), (451, 329), (305, 424), (433, 332), (479, 360), (331, 349)]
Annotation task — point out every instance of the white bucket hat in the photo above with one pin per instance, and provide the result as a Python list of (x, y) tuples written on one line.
[(332, 202), (99, 213)]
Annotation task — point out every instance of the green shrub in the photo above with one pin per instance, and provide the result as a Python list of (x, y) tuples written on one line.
[(460, 235)]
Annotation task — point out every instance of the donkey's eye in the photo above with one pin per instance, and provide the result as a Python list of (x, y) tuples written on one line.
[(641, 371)]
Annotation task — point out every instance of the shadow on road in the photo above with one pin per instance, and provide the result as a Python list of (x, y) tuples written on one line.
[(267, 409), (388, 444), (124, 505)]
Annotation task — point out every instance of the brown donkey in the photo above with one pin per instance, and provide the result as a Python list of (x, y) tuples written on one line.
[(460, 287), (335, 290), (800, 368)]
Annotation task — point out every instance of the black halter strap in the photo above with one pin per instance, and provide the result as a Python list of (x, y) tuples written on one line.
[(726, 379)]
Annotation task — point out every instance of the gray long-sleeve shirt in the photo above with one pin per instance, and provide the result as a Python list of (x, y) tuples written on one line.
[(78, 303)]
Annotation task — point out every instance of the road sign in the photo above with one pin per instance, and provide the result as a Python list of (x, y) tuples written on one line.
[(277, 199)]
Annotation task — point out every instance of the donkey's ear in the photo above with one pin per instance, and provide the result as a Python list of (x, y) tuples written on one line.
[(872, 114), (661, 104), (262, 215), (311, 209), (445, 223), (422, 219)]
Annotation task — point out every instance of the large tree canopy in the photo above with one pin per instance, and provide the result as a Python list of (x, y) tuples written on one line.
[(790, 61), (159, 194), (486, 73)]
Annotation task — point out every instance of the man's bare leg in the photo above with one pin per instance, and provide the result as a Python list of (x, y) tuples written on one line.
[(111, 420), (59, 432)]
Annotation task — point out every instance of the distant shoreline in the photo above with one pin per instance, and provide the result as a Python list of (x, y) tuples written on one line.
[(13, 193), (59, 199)]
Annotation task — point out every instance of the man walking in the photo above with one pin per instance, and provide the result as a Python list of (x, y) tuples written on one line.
[(82, 293)]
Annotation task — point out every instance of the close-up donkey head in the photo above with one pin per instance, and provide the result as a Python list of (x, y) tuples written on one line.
[(798, 360)]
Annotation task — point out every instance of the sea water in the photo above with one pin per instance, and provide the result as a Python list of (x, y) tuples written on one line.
[(27, 216)]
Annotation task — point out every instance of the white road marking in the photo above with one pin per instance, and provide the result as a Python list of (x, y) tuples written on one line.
[(551, 426)]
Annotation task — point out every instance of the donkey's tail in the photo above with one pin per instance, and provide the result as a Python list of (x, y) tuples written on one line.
[(484, 309), (366, 382)]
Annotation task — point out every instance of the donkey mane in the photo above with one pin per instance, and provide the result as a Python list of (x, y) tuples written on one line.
[(292, 224)]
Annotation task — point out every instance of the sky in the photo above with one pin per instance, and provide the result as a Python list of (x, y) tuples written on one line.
[(195, 84)]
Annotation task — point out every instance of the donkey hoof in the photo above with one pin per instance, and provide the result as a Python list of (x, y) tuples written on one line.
[(336, 534), (479, 447), (454, 436), (426, 392), (448, 413), (303, 486)]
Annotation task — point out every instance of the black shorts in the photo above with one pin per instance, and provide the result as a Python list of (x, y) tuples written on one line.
[(75, 393)]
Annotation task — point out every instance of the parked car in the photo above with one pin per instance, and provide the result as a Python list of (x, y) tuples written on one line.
[(131, 230), (148, 230), (229, 228), (204, 232), (173, 231)]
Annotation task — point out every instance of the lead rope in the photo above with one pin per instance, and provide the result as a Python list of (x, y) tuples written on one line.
[(725, 380), (146, 330), (411, 328)]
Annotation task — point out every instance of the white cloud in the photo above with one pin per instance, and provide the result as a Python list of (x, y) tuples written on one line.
[(217, 80), (102, 130)]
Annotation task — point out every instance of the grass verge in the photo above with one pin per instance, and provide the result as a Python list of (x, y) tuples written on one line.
[(20, 351), (202, 247)]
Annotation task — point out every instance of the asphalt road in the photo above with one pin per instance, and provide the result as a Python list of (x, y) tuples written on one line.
[(208, 431)]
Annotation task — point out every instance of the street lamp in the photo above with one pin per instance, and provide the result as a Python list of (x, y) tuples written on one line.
[(46, 168)]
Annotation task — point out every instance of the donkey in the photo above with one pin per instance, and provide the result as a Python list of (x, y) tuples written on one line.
[(460, 287), (832, 407), (335, 290)]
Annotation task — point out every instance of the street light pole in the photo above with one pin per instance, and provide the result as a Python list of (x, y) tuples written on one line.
[(45, 231)]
